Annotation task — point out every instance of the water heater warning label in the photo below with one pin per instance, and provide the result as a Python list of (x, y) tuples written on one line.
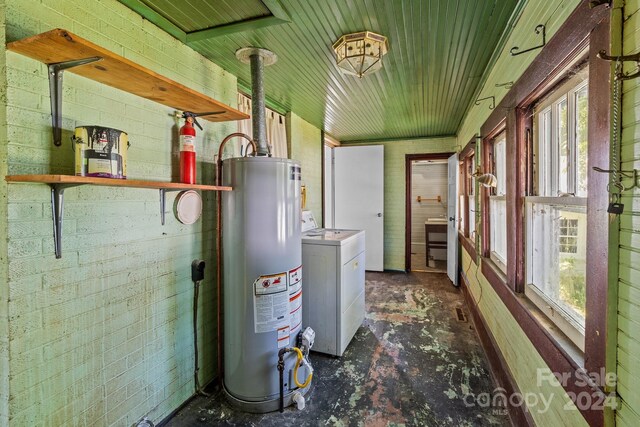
[(271, 303)]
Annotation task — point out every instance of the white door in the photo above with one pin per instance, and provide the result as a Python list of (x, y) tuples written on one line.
[(452, 214), (359, 197), (328, 187)]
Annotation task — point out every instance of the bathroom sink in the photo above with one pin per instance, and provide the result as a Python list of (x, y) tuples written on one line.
[(437, 220)]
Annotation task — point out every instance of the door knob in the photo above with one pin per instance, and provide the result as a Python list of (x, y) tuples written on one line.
[(451, 218), (379, 214)]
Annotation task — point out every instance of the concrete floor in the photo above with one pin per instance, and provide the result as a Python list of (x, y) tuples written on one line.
[(410, 364)]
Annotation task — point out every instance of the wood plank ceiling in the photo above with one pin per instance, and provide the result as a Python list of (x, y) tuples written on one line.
[(438, 52)]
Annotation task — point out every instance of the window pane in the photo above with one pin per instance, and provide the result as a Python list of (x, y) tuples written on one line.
[(472, 218), (581, 114), (500, 153), (563, 148), (472, 170), (498, 225), (463, 214), (544, 160), (557, 256)]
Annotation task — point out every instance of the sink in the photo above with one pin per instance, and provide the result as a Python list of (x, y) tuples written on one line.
[(437, 220)]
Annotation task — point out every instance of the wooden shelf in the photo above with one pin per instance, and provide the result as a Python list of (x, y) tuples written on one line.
[(71, 180), (59, 46), (59, 183)]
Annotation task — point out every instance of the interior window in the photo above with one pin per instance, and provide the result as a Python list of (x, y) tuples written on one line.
[(498, 203), (467, 209), (557, 215), (471, 214)]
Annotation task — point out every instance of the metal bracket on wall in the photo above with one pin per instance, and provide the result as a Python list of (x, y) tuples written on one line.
[(623, 58), (57, 211), (515, 51), (597, 3), (506, 85), (633, 174), (56, 72), (493, 101), (163, 201)]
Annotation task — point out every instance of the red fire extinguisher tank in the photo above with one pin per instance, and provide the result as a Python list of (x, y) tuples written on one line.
[(188, 151)]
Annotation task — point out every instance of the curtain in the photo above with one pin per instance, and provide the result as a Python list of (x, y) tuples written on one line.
[(276, 134), (276, 129)]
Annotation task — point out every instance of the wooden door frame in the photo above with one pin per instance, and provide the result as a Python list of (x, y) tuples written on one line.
[(409, 158)]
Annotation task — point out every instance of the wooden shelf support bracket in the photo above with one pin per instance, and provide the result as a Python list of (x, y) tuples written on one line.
[(56, 71)]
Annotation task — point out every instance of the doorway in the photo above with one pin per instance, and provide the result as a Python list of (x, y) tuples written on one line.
[(426, 212)]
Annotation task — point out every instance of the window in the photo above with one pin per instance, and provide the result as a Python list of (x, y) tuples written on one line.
[(552, 116), (498, 203), (557, 215), (467, 209), (568, 236), (471, 200), (276, 129)]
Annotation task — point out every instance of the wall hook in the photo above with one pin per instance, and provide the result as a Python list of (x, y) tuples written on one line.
[(506, 85), (623, 58), (493, 101), (515, 51)]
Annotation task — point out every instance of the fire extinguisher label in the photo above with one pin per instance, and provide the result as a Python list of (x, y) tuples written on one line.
[(271, 303), (187, 142)]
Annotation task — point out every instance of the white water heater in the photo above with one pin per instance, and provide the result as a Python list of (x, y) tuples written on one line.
[(262, 277)]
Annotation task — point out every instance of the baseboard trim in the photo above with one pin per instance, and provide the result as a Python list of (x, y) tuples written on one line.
[(502, 376)]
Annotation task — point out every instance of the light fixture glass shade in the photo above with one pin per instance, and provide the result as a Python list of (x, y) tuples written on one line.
[(488, 180), (360, 53)]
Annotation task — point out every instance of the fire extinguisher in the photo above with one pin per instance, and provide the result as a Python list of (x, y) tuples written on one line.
[(187, 148)]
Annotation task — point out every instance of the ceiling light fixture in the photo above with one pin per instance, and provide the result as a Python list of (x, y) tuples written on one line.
[(487, 180), (360, 53)]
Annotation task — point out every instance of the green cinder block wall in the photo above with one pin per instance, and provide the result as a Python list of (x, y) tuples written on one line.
[(102, 336)]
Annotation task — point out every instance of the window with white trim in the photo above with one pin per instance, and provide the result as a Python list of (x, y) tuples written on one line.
[(557, 215), (467, 199), (498, 203)]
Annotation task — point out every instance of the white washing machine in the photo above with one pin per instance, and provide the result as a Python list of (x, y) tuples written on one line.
[(333, 276)]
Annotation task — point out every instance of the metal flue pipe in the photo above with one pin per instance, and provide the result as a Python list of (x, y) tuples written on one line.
[(258, 58)]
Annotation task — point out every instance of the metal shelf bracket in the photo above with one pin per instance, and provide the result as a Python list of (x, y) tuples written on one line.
[(163, 194), (57, 211), (56, 71)]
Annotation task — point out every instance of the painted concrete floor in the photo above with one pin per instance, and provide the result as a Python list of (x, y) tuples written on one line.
[(412, 363)]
